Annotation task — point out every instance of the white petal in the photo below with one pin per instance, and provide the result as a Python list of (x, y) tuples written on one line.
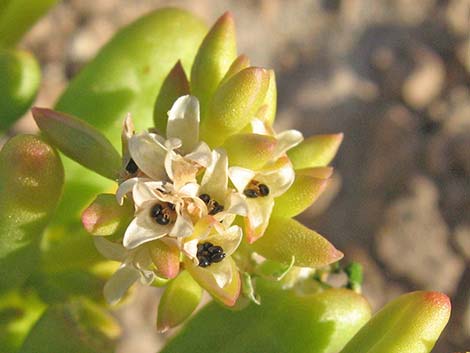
[(144, 192), (201, 155), (183, 227), (278, 179), (215, 179), (124, 189), (222, 272), (183, 122), (286, 140), (119, 283), (229, 240), (189, 190), (237, 204), (260, 211), (240, 177), (149, 155), (190, 248), (259, 127), (110, 250), (136, 234)]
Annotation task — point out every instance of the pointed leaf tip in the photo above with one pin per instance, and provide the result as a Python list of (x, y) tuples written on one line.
[(79, 141), (315, 151)]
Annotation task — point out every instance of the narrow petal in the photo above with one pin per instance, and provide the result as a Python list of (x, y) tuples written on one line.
[(110, 250), (222, 273), (260, 210), (125, 188), (183, 227), (143, 192), (119, 283), (286, 140), (279, 178), (237, 204), (201, 155), (136, 234), (240, 177), (183, 122), (149, 155), (214, 181), (229, 240)]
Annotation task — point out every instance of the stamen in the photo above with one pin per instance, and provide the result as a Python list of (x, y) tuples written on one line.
[(164, 213), (132, 167), (205, 197), (255, 189), (252, 194), (207, 254), (263, 190)]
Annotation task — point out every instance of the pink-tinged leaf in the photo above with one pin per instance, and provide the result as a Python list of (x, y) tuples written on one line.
[(166, 258), (240, 63), (315, 151), (316, 172), (175, 85), (234, 104), (80, 141), (213, 59), (285, 237), (302, 194), (411, 323), (250, 151), (181, 297), (105, 216), (267, 111), (227, 295)]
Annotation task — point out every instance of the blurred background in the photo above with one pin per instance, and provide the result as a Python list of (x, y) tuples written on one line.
[(392, 75)]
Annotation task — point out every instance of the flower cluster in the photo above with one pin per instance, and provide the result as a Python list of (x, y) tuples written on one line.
[(186, 200)]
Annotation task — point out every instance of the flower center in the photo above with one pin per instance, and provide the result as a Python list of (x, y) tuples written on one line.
[(132, 167), (212, 205), (256, 189), (163, 213), (208, 253)]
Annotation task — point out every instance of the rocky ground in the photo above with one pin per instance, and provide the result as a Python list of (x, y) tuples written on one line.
[(392, 75)]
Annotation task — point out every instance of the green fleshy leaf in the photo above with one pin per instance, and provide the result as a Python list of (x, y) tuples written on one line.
[(18, 16), (411, 323), (302, 194), (315, 151), (31, 179), (79, 141), (250, 151), (216, 54), (176, 84), (284, 323), (21, 75), (180, 299), (234, 105), (125, 76), (75, 327), (106, 217), (267, 111), (275, 270), (316, 172), (166, 258), (285, 237), (240, 63)]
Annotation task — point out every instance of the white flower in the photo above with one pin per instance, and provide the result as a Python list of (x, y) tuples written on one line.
[(160, 210), (134, 266), (259, 189)]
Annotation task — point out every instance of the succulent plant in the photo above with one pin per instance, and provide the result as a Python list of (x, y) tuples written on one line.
[(201, 197)]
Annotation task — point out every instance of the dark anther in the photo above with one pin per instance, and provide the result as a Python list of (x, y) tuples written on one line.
[(172, 206), (156, 210), (263, 189), (207, 253), (204, 197), (131, 167), (162, 219), (216, 208), (250, 193)]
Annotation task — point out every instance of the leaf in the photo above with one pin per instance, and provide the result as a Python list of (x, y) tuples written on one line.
[(79, 141), (31, 179), (18, 16), (234, 105), (250, 151), (315, 151), (286, 237), (175, 85), (213, 59), (411, 323), (302, 194), (21, 75), (76, 327), (106, 217), (180, 298), (285, 322), (240, 63), (166, 258), (267, 111), (125, 76)]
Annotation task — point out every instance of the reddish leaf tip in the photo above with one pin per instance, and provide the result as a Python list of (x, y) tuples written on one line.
[(438, 299)]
